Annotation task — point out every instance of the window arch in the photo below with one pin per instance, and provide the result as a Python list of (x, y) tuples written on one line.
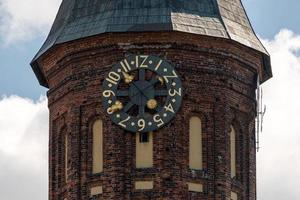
[(97, 150), (232, 152), (195, 143)]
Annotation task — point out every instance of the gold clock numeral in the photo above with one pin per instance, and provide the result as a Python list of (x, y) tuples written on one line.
[(113, 77), (142, 65), (161, 80), (109, 111), (141, 124), (108, 93), (175, 92), (125, 65), (121, 123), (170, 108), (174, 75), (158, 65), (157, 119)]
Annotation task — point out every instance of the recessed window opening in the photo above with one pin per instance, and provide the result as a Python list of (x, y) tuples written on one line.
[(144, 137)]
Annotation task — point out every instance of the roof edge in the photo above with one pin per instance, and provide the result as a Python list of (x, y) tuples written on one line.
[(266, 51), (39, 74), (266, 67)]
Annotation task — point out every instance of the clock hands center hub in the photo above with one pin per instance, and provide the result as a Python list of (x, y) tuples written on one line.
[(140, 92)]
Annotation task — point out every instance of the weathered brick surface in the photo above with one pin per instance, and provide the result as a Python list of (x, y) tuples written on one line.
[(219, 80)]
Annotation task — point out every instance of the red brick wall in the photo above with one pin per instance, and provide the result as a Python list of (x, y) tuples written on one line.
[(219, 80)]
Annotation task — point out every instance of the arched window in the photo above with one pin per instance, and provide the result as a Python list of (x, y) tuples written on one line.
[(144, 150), (232, 151), (195, 143), (97, 146), (234, 196)]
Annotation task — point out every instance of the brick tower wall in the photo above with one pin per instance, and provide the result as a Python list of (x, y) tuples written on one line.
[(219, 81)]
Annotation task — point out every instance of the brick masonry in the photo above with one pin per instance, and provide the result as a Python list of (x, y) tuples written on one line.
[(219, 80)]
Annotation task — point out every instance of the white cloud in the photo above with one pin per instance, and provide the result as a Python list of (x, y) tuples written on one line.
[(22, 20), (279, 158), (23, 148)]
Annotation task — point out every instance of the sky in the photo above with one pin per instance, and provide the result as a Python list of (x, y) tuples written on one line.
[(24, 114)]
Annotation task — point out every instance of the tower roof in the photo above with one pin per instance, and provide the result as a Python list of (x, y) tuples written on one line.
[(78, 19)]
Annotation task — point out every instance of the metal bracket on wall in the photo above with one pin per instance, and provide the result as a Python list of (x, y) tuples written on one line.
[(261, 111)]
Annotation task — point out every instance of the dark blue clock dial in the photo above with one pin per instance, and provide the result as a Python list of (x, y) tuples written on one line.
[(142, 93)]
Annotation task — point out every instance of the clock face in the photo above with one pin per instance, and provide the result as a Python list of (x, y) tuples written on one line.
[(142, 93)]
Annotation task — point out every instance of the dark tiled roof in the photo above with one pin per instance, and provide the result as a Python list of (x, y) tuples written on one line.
[(218, 18)]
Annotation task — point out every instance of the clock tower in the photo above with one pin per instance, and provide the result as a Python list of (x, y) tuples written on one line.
[(152, 100)]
